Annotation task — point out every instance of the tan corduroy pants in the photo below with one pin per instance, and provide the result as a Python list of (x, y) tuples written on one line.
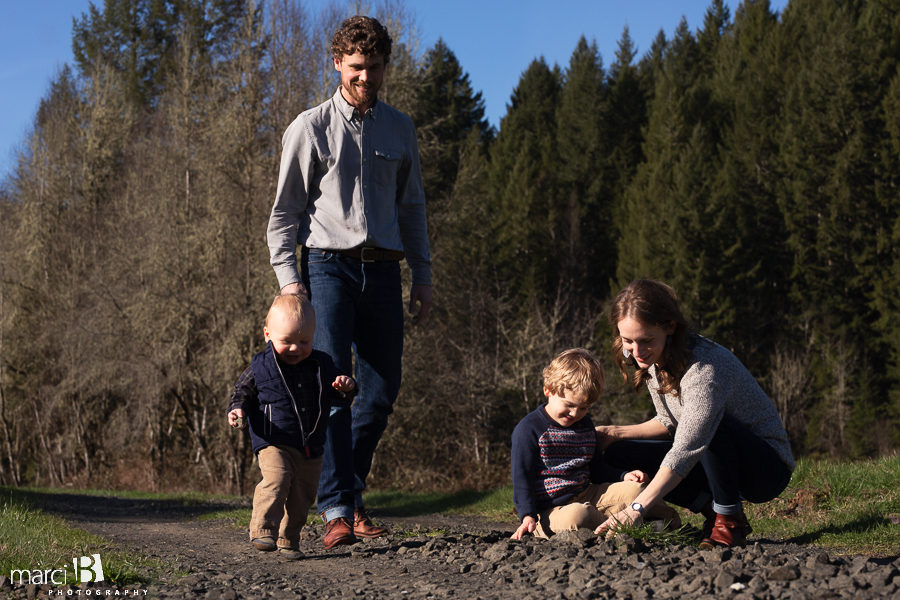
[(281, 501), (596, 504)]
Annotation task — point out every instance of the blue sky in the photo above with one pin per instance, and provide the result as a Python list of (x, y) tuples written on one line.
[(494, 40)]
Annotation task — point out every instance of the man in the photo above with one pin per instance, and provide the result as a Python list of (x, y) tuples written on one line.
[(350, 192)]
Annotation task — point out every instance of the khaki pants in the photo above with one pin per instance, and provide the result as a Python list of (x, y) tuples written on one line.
[(282, 499), (596, 504)]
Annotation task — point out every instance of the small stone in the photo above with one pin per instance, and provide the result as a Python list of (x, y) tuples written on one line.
[(859, 564), (724, 580), (784, 573), (498, 552)]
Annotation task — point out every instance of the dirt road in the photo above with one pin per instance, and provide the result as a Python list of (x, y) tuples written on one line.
[(444, 556)]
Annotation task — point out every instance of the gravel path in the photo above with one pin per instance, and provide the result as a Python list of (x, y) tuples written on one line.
[(443, 556)]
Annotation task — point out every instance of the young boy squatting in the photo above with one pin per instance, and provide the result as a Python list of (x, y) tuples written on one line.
[(559, 478)]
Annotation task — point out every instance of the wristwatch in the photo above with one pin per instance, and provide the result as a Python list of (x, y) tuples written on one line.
[(638, 507)]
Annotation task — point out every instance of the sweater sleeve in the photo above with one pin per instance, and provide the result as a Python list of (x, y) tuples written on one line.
[(698, 423), (524, 459), (291, 199), (245, 395)]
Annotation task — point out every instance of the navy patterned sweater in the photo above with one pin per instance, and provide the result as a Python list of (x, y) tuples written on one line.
[(551, 464)]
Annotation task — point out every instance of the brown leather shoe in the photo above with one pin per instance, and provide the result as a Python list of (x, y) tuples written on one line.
[(727, 531), (363, 526), (338, 532)]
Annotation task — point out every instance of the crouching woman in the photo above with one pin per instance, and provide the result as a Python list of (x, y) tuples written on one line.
[(716, 439)]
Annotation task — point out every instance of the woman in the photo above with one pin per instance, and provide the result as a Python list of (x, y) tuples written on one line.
[(716, 438)]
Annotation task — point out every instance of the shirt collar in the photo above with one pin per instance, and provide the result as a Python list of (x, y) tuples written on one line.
[(348, 110)]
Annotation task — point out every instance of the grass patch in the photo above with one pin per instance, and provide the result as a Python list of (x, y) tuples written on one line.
[(32, 540), (844, 506)]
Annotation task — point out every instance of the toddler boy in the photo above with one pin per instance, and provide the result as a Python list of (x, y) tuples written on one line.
[(559, 478), (286, 395)]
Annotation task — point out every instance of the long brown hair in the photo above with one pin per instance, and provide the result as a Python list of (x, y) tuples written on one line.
[(653, 303)]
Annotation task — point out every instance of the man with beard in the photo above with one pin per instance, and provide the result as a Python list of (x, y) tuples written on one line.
[(350, 193)]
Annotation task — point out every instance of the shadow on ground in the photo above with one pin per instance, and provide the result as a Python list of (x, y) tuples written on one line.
[(92, 507), (405, 505)]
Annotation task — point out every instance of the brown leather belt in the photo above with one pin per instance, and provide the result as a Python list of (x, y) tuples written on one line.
[(368, 255)]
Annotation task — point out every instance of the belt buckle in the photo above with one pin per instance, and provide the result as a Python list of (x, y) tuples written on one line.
[(362, 254)]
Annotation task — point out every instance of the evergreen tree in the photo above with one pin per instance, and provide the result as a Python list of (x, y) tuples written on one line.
[(446, 110), (580, 209), (751, 260), (832, 214), (522, 182), (137, 38)]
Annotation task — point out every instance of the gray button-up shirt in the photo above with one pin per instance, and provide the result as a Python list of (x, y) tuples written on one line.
[(349, 180)]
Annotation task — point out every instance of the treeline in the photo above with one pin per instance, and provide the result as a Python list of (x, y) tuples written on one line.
[(752, 163)]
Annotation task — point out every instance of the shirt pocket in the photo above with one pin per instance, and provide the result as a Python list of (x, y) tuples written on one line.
[(386, 167)]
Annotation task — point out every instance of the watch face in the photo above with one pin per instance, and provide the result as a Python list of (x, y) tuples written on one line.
[(637, 506)]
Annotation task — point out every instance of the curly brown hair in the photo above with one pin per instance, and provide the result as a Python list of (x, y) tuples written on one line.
[(653, 303), (361, 34)]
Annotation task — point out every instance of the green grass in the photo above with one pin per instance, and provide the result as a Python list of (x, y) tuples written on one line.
[(33, 540), (844, 506)]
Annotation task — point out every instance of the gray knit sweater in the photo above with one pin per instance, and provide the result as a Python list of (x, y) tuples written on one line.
[(715, 384)]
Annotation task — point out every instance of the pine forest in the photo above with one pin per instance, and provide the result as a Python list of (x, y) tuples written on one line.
[(752, 163)]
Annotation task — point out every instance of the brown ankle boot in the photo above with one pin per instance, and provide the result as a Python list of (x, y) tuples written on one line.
[(338, 532), (727, 531), (363, 526)]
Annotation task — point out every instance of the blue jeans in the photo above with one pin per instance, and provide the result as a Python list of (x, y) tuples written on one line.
[(737, 465), (359, 322)]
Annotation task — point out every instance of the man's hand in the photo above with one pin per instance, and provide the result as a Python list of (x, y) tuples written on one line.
[(295, 288), (420, 303), (528, 526)]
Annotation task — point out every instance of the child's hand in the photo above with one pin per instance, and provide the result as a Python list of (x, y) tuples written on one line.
[(236, 418), (636, 475), (344, 384), (528, 525)]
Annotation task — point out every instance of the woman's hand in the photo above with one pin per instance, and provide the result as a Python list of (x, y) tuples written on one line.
[(528, 525), (626, 516)]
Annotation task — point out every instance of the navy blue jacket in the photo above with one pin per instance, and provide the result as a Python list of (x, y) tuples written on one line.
[(288, 405)]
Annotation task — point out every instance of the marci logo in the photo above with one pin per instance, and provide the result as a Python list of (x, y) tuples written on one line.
[(88, 568)]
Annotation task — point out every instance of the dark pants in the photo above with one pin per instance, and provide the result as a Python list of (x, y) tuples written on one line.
[(359, 322), (737, 465)]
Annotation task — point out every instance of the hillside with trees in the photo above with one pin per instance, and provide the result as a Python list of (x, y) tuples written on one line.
[(753, 164)]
